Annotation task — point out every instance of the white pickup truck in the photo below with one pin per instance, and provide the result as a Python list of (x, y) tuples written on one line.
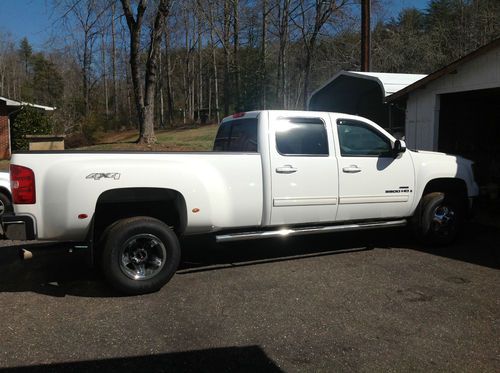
[(271, 174)]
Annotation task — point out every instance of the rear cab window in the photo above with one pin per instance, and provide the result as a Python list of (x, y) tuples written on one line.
[(239, 135)]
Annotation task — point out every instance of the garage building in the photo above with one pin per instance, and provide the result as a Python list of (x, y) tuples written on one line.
[(457, 110)]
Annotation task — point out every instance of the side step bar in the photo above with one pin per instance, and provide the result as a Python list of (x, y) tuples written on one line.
[(287, 232)]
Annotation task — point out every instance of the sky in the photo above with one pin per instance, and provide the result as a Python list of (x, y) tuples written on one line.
[(26, 18), (34, 19)]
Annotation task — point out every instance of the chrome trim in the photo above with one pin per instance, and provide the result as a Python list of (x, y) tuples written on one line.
[(14, 222), (304, 201), (352, 200), (287, 232)]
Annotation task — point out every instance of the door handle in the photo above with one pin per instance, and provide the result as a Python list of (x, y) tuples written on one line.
[(286, 169), (352, 169)]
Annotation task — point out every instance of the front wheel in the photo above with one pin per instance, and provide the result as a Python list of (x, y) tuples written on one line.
[(141, 254), (439, 218)]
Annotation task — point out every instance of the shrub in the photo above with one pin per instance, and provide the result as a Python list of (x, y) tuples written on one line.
[(92, 129), (29, 121)]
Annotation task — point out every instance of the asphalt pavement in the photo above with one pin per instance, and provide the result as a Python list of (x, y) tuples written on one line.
[(370, 301)]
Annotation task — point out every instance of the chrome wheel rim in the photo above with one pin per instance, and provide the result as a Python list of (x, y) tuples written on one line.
[(142, 256), (2, 207), (444, 220)]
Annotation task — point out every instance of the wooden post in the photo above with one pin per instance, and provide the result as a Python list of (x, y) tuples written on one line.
[(365, 35)]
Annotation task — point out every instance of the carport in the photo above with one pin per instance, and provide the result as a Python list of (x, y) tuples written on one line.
[(363, 93)]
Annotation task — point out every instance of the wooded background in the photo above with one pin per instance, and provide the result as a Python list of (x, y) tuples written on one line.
[(218, 57)]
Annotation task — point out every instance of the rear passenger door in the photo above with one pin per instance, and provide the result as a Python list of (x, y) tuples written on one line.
[(304, 169)]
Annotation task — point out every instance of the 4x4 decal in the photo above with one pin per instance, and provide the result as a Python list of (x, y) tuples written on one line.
[(101, 175)]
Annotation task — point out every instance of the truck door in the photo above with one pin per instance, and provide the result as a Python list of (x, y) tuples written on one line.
[(373, 181), (304, 170)]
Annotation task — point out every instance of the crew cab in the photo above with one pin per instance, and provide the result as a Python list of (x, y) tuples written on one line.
[(270, 174)]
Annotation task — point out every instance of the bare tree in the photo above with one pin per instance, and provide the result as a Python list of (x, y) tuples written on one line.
[(200, 67), (263, 54), (310, 19), (168, 78), (104, 74), (225, 44), (236, 55), (215, 69), (145, 94), (283, 21), (113, 60), (88, 14)]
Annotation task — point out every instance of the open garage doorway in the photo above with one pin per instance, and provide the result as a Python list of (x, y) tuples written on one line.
[(469, 125)]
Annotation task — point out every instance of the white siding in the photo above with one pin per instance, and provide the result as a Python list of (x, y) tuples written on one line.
[(422, 108)]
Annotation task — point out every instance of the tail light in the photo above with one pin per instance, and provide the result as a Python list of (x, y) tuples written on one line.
[(22, 183)]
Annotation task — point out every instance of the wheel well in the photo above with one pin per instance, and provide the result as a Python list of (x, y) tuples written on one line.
[(447, 185), (166, 205), (6, 192)]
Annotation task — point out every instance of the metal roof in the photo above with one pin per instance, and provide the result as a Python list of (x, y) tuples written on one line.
[(10, 102), (389, 82)]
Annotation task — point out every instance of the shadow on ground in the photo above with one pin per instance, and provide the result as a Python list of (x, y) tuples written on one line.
[(60, 274), (230, 359)]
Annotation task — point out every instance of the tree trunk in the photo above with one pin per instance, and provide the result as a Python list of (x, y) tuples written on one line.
[(85, 74), (284, 15), (236, 57), (263, 54), (105, 75), (214, 66), (200, 70), (113, 62), (129, 99), (307, 73), (323, 10), (145, 98), (170, 99), (162, 112), (185, 79), (227, 20)]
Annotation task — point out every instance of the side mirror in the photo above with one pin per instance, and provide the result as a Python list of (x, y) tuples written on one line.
[(399, 147)]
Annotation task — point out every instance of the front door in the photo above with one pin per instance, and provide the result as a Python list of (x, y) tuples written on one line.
[(304, 169), (374, 183)]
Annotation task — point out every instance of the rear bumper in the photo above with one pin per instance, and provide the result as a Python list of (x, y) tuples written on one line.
[(18, 227)]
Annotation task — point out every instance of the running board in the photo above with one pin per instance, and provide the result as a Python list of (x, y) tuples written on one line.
[(287, 232)]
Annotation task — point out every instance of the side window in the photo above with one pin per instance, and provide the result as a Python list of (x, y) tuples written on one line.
[(237, 136), (359, 139), (301, 136)]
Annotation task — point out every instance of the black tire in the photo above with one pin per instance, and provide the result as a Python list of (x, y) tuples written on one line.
[(141, 254), (5, 204), (439, 218)]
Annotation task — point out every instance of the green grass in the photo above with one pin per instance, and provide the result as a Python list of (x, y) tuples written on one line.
[(184, 139)]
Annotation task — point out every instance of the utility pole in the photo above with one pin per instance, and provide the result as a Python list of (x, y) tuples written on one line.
[(365, 35)]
